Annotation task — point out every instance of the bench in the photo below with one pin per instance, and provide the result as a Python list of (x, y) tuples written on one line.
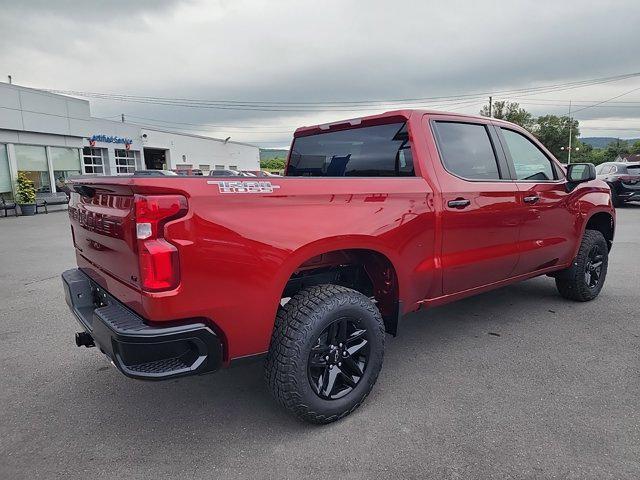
[(6, 206), (59, 198)]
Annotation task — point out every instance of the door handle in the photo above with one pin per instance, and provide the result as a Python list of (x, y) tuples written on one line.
[(459, 203), (531, 199)]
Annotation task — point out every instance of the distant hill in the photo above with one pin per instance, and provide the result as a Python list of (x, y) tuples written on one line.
[(271, 153), (602, 142)]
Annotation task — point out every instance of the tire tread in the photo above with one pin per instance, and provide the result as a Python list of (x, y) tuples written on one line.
[(293, 326), (569, 283)]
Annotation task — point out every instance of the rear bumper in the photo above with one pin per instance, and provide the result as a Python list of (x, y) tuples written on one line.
[(629, 195), (625, 193), (137, 349)]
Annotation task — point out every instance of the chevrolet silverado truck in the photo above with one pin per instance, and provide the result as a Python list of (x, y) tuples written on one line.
[(375, 217)]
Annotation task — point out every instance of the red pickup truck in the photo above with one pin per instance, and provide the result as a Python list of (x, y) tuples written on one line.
[(375, 217)]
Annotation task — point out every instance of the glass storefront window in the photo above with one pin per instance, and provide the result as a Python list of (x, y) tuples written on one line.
[(32, 161), (93, 160), (66, 163), (5, 174)]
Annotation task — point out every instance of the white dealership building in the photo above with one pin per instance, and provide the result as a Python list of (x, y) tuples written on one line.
[(50, 137)]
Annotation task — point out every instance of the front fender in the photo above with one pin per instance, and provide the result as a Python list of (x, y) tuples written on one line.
[(593, 201)]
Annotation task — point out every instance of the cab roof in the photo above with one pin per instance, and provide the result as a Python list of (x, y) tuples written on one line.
[(400, 115)]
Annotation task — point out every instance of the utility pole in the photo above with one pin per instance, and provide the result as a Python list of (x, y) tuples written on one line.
[(490, 106), (570, 131), (122, 117)]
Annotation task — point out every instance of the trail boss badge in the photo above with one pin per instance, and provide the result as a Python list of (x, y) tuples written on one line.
[(244, 187)]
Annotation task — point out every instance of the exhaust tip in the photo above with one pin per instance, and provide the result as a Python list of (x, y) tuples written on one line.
[(83, 339)]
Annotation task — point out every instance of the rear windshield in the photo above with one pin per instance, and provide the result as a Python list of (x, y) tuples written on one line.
[(633, 170), (377, 151)]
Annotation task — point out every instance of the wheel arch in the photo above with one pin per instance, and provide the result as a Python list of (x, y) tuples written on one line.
[(358, 263), (604, 222)]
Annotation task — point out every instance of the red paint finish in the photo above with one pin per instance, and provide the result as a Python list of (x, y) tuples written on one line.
[(238, 250)]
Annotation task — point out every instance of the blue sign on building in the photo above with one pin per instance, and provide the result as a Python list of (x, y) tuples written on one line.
[(110, 139)]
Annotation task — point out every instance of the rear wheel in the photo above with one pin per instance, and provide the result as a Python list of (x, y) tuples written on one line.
[(326, 352), (584, 279)]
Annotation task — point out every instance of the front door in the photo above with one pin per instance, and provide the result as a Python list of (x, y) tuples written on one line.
[(548, 231), (480, 218)]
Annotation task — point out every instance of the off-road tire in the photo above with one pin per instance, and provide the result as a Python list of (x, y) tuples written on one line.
[(571, 282), (298, 325)]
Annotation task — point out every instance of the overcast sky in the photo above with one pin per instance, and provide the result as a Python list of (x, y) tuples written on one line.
[(294, 51)]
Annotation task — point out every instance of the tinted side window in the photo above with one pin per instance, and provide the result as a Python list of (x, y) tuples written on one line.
[(530, 163), (377, 151), (467, 151)]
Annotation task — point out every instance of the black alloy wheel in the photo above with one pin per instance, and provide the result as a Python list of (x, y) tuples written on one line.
[(593, 266), (339, 359)]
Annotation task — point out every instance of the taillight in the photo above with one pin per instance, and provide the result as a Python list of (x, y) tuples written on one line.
[(159, 261)]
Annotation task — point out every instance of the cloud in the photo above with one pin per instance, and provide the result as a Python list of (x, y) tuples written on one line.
[(316, 51)]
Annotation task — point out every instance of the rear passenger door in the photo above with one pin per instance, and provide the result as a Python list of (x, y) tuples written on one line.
[(548, 231), (480, 217)]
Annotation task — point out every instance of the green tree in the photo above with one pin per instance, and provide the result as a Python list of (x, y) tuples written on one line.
[(272, 164), (615, 148), (583, 152), (553, 132), (597, 156), (511, 112), (635, 148)]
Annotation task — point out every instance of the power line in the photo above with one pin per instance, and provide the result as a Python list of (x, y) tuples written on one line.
[(607, 100), (213, 125), (611, 128), (353, 105), (564, 104)]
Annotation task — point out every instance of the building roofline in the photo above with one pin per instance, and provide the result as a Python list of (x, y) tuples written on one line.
[(221, 140), (43, 92), (173, 132), (59, 95)]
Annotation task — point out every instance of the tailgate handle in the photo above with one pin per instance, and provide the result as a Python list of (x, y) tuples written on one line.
[(85, 191)]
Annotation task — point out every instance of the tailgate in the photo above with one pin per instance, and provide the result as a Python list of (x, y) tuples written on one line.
[(630, 181), (103, 228)]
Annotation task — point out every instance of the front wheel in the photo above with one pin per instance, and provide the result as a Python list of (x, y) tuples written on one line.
[(326, 352), (584, 279)]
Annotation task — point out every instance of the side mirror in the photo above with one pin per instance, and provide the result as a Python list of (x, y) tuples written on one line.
[(579, 173)]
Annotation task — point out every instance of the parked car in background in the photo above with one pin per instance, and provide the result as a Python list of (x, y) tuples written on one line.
[(623, 179), (188, 171), (376, 217), (229, 173), (261, 173), (154, 173)]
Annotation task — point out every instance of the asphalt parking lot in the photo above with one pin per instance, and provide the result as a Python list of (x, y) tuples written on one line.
[(516, 383)]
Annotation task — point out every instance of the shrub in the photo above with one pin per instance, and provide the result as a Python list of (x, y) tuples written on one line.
[(26, 190)]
